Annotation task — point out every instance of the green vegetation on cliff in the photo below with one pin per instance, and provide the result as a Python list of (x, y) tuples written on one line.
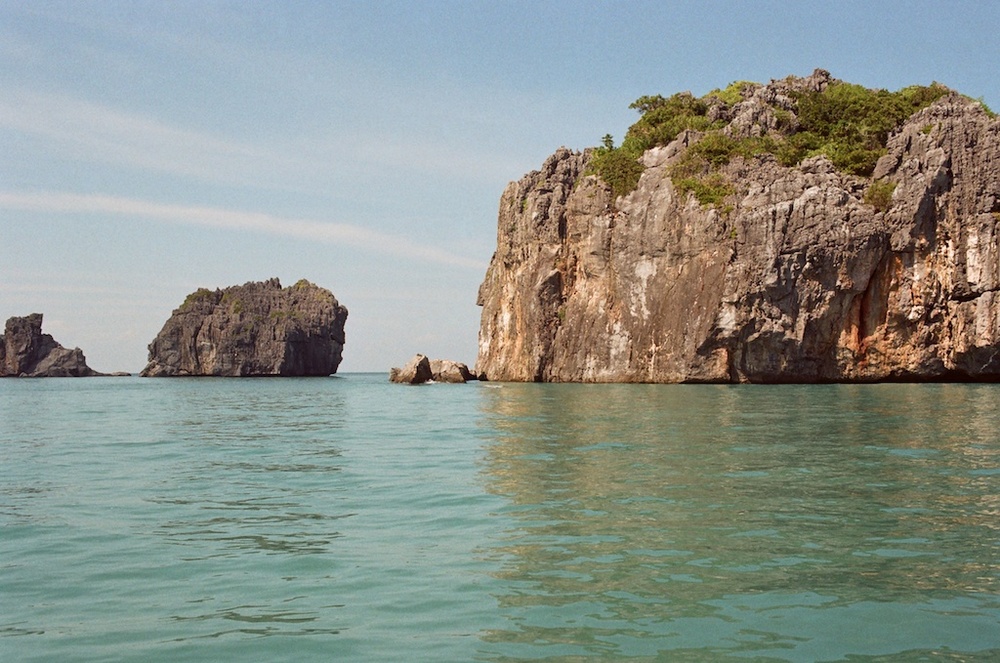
[(879, 194), (661, 121), (848, 123), (199, 295)]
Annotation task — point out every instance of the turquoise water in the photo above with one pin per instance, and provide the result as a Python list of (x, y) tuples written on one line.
[(350, 519)]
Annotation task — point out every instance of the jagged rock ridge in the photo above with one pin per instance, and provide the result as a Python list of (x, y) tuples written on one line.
[(256, 329), (799, 277), (26, 351)]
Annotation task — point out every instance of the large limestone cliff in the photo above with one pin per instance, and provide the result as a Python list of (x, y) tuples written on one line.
[(798, 277), (256, 329), (26, 351)]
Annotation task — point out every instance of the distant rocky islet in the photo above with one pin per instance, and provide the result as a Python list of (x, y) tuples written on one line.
[(258, 329), (255, 329), (26, 352)]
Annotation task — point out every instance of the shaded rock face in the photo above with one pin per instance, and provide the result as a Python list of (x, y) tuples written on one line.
[(801, 281), (26, 351), (256, 329)]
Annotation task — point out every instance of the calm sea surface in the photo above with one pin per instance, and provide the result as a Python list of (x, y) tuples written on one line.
[(347, 519)]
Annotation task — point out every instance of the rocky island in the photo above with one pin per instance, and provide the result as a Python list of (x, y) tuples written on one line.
[(256, 329), (26, 352), (805, 230)]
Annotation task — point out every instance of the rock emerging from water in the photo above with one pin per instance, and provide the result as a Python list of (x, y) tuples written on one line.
[(26, 352), (416, 371), (445, 370), (795, 273), (420, 369), (256, 329)]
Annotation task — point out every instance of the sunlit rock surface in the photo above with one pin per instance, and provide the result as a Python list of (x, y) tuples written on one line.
[(800, 281)]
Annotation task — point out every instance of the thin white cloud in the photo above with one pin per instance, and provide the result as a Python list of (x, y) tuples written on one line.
[(63, 289), (307, 229), (96, 133), (93, 132)]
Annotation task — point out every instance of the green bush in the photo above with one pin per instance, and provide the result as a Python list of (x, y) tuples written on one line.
[(715, 148), (663, 119), (879, 194), (851, 124), (618, 168), (697, 169), (709, 190), (795, 147), (234, 303), (733, 94), (197, 296), (718, 149), (848, 123), (989, 111)]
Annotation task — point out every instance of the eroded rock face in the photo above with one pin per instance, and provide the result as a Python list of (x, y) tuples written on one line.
[(26, 351), (801, 281), (256, 329)]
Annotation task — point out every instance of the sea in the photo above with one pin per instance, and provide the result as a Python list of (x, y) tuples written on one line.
[(350, 519)]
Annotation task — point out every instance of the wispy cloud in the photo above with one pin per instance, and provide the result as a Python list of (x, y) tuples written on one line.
[(94, 132), (100, 134), (235, 220)]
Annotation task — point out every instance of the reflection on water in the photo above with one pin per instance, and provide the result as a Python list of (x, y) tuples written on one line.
[(300, 520), (790, 523)]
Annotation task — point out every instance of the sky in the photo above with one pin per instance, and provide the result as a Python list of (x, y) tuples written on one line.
[(148, 149)]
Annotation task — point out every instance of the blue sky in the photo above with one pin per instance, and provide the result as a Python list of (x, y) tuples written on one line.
[(151, 148)]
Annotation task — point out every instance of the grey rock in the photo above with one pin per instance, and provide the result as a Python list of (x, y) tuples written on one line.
[(256, 329), (416, 371), (445, 370), (26, 352), (802, 281), (420, 369)]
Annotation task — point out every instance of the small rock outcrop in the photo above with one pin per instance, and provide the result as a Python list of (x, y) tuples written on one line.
[(256, 329), (26, 352), (445, 370), (416, 371), (798, 270), (420, 369)]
